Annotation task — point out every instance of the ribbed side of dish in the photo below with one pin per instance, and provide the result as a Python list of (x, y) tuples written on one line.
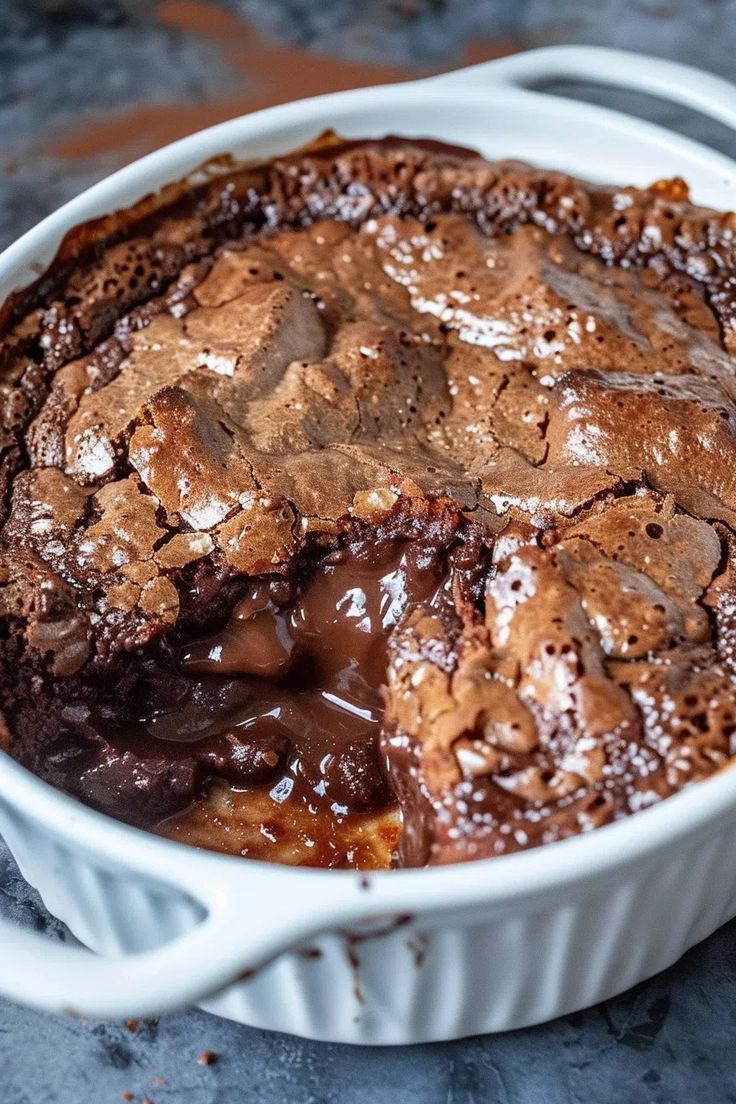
[(453, 975)]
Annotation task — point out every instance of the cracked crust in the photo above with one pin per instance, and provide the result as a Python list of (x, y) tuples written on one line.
[(590, 687), (227, 383)]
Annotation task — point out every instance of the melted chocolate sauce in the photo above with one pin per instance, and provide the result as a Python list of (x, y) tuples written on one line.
[(315, 666), (285, 697)]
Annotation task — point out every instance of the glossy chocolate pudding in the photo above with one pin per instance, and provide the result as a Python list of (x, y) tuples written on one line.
[(374, 506)]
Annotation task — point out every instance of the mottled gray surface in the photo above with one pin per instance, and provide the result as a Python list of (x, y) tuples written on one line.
[(670, 1040)]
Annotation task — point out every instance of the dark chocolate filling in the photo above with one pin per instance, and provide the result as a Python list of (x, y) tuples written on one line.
[(287, 694)]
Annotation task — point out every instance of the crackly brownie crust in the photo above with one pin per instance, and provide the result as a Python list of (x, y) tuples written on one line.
[(355, 350)]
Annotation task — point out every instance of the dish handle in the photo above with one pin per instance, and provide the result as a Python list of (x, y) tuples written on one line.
[(245, 927), (669, 80)]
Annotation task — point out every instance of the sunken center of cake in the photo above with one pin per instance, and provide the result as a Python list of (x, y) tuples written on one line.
[(374, 506)]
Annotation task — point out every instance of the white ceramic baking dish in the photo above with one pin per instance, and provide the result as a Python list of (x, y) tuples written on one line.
[(403, 956)]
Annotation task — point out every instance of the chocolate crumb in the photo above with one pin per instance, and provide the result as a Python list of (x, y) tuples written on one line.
[(310, 953)]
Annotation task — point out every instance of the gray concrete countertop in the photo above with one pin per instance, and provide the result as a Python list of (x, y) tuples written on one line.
[(86, 85)]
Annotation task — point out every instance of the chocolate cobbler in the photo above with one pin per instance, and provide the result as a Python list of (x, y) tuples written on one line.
[(374, 506)]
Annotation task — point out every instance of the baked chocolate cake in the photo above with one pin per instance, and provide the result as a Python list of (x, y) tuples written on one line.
[(374, 506)]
